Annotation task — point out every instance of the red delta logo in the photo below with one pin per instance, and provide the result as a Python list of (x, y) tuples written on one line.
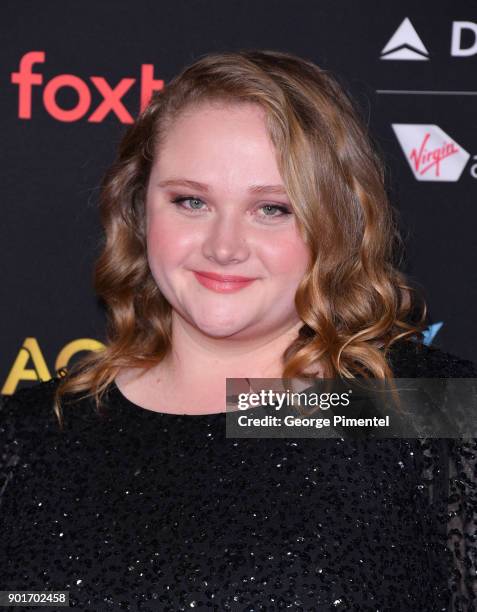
[(112, 96), (431, 153)]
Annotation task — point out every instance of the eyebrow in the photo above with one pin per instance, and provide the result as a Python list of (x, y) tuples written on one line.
[(182, 182)]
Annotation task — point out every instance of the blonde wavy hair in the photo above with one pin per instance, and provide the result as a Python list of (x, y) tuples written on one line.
[(353, 300)]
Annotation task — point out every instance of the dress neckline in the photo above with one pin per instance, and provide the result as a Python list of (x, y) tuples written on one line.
[(128, 405), (132, 406)]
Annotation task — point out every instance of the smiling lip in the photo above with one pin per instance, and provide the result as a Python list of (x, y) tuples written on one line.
[(222, 283), (224, 278)]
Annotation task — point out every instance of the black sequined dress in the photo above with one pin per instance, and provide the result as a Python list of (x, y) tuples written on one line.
[(140, 510)]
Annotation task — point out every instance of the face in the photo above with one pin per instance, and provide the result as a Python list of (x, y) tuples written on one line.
[(216, 204)]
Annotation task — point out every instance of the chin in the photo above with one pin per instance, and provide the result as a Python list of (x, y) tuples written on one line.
[(224, 328), (223, 331)]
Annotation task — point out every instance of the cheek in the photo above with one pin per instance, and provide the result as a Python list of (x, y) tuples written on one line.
[(286, 256), (166, 242)]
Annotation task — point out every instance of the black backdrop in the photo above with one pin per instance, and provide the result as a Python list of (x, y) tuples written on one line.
[(52, 160)]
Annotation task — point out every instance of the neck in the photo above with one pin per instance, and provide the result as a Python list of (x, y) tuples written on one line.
[(198, 359), (192, 379)]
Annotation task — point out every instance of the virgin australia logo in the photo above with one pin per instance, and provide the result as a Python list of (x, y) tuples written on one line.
[(431, 153), (405, 44)]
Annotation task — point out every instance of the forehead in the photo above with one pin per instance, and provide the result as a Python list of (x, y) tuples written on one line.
[(218, 138), (212, 120)]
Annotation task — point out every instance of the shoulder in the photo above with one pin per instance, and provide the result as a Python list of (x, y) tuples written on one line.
[(411, 359), (29, 423), (32, 409), (26, 419), (30, 405)]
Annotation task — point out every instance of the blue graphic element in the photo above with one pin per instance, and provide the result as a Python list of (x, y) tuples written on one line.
[(431, 332)]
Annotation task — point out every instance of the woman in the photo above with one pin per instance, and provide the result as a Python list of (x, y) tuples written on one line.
[(247, 234)]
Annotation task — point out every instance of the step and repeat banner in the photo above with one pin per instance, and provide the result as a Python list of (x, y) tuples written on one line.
[(76, 74)]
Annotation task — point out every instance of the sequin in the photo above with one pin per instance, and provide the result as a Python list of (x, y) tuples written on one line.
[(138, 510)]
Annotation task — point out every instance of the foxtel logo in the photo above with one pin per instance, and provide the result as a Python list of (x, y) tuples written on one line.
[(112, 96), (430, 152), (405, 43)]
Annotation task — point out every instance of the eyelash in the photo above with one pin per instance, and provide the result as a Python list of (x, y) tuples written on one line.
[(181, 199)]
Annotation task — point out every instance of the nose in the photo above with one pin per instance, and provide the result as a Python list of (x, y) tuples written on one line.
[(226, 241)]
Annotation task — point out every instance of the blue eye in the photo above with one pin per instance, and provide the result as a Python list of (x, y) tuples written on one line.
[(283, 210), (180, 202)]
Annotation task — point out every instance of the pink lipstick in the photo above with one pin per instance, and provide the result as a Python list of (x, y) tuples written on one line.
[(222, 283)]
